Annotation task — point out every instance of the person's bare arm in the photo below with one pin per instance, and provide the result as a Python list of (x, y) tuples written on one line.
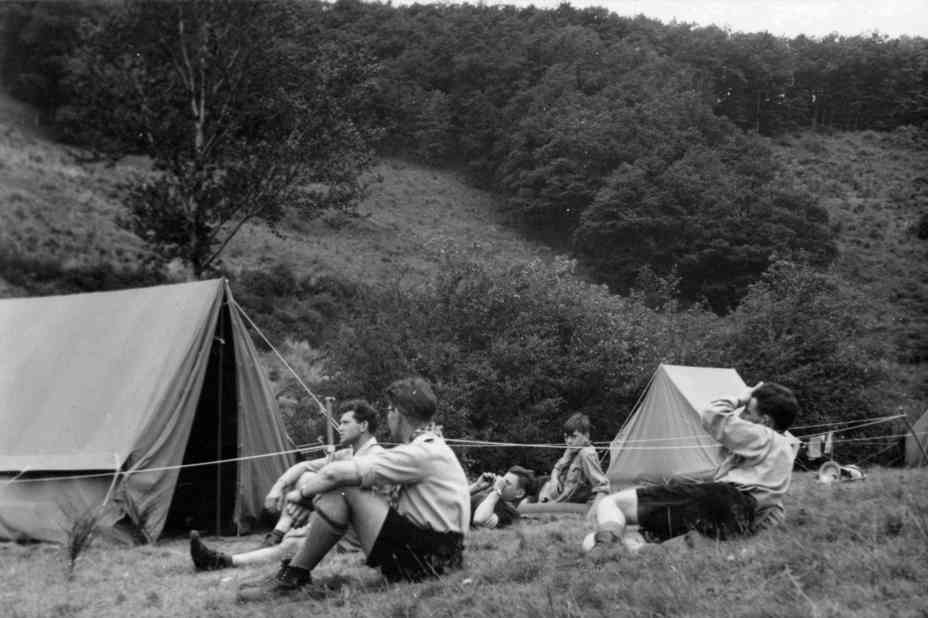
[(485, 514), (331, 476)]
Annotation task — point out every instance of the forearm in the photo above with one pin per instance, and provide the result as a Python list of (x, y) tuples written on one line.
[(331, 476), (736, 434), (291, 476), (486, 510), (478, 485), (599, 482)]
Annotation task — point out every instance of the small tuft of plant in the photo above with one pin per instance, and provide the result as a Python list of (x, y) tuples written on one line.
[(79, 536)]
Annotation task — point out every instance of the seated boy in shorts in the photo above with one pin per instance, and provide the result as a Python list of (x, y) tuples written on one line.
[(421, 536), (356, 427), (746, 495)]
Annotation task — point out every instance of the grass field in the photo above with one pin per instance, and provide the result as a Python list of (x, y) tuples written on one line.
[(848, 549)]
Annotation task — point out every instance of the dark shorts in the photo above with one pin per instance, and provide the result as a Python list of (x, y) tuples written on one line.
[(717, 510), (404, 551)]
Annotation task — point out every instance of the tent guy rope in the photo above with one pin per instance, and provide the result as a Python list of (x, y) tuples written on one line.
[(322, 407), (196, 464), (455, 442)]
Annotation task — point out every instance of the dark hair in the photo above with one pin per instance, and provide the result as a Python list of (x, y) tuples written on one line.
[(526, 479), (777, 402), (362, 412), (578, 422), (413, 397)]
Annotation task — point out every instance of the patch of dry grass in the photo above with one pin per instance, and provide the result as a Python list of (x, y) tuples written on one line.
[(55, 209), (851, 549), (411, 216)]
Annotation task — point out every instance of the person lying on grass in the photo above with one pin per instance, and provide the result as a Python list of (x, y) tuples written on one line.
[(746, 495), (422, 536), (357, 424), (577, 476), (494, 499)]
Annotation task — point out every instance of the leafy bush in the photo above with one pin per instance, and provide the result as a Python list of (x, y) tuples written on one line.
[(512, 356), (287, 305), (800, 327)]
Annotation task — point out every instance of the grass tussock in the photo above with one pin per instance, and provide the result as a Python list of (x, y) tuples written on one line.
[(852, 549), (79, 535)]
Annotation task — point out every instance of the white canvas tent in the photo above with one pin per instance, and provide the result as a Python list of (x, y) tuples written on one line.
[(916, 443), (663, 438), (135, 382)]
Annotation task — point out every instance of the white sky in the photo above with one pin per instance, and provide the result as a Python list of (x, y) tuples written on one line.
[(779, 17)]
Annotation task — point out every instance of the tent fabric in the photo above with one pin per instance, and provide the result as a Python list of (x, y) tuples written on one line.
[(256, 401), (111, 381), (663, 438), (914, 455)]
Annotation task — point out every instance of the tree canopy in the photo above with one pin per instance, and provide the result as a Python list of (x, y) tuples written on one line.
[(239, 120), (630, 142)]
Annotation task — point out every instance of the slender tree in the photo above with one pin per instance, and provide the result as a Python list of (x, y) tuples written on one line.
[(240, 121)]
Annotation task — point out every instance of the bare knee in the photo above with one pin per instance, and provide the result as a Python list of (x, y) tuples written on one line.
[(333, 507), (622, 505), (627, 502)]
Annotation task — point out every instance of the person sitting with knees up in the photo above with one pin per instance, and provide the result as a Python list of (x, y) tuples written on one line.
[(746, 495), (421, 536), (577, 476), (494, 500), (357, 424)]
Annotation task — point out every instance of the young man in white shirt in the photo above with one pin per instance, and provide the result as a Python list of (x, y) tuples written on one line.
[(494, 500), (746, 495), (421, 536), (356, 427)]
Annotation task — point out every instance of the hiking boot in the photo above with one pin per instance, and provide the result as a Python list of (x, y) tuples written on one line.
[(206, 559), (264, 580), (606, 546), (272, 538), (289, 582)]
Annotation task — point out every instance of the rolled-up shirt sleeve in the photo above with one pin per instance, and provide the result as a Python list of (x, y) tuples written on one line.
[(739, 436), (599, 483), (399, 465)]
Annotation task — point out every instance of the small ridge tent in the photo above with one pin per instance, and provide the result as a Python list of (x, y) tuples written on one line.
[(916, 443), (663, 439), (104, 395)]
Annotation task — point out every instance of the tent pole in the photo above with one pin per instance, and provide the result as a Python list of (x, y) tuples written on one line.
[(921, 446), (329, 430), (222, 342)]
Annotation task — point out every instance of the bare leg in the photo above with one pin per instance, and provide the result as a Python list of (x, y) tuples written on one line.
[(332, 514), (287, 548), (334, 511), (613, 515), (620, 509)]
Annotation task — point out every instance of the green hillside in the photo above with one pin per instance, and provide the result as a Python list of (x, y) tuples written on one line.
[(59, 214), (59, 210), (875, 188)]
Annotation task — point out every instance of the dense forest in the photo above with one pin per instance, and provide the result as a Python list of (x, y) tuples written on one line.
[(640, 148)]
